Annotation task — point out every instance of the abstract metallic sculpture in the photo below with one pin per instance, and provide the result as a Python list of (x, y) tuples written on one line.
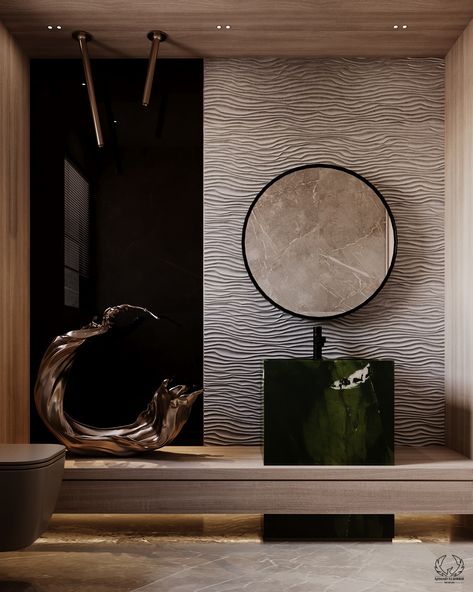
[(155, 427)]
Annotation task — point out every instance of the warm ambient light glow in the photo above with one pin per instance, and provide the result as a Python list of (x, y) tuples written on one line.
[(219, 27), (50, 27), (227, 27), (396, 27)]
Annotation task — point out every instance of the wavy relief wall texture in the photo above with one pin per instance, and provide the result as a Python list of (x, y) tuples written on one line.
[(385, 120)]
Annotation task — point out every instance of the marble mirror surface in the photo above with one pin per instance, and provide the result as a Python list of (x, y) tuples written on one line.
[(319, 241)]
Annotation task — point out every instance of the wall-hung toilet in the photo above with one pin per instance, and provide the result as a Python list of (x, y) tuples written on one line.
[(30, 478)]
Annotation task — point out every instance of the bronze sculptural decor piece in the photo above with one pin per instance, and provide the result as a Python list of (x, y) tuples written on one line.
[(155, 427)]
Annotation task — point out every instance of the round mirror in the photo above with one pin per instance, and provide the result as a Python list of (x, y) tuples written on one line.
[(319, 241)]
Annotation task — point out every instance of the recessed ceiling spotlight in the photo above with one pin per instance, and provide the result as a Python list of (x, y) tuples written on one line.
[(227, 27), (83, 84), (219, 27), (50, 27), (58, 27), (404, 26), (115, 121), (396, 27)]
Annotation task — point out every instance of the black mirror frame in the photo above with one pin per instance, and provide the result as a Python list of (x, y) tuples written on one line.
[(338, 168)]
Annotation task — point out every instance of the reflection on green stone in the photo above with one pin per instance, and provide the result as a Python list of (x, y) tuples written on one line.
[(328, 527), (329, 412)]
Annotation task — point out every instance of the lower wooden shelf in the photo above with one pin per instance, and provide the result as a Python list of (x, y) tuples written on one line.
[(233, 480)]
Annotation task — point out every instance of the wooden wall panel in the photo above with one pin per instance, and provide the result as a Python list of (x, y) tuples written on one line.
[(459, 244), (14, 222)]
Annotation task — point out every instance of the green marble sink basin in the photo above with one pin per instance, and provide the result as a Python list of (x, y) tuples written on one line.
[(328, 412)]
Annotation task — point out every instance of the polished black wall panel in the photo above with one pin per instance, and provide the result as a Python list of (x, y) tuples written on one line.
[(146, 229)]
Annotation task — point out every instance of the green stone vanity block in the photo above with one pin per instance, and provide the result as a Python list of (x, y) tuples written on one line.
[(328, 412), (312, 527)]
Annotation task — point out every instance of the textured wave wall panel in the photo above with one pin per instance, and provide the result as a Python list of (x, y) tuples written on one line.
[(381, 118)]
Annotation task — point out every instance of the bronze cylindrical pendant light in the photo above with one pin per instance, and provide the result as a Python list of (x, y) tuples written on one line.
[(156, 37), (82, 37)]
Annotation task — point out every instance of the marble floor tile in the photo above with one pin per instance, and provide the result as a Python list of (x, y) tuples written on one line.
[(226, 554)]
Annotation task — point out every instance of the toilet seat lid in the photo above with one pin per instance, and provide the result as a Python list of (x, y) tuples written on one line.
[(24, 456)]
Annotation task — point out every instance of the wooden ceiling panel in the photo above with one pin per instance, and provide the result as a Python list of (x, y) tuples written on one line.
[(192, 43), (293, 28)]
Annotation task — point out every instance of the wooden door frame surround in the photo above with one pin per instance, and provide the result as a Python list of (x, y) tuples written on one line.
[(14, 262)]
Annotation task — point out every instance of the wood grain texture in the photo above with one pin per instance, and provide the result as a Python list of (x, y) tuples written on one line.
[(220, 479), (268, 497), (289, 28), (177, 463), (459, 244), (381, 118), (14, 241)]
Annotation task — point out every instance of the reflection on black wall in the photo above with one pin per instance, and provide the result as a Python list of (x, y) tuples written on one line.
[(146, 230)]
